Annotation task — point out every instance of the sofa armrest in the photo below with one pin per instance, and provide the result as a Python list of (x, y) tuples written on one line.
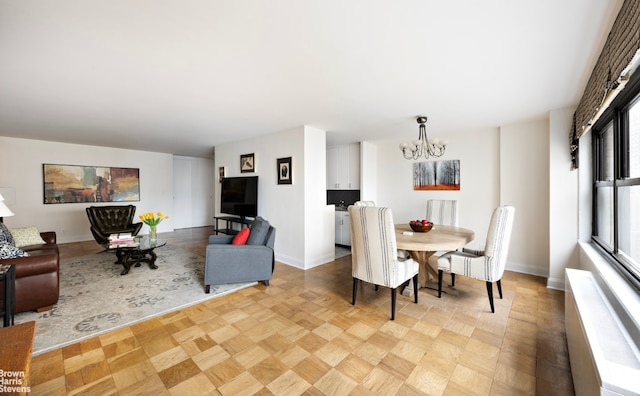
[(49, 237), (34, 265)]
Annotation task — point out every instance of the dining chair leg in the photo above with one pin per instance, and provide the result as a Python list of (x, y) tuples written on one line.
[(376, 287), (499, 288), (439, 283), (393, 304), (415, 288), (355, 290), (453, 279), (490, 293)]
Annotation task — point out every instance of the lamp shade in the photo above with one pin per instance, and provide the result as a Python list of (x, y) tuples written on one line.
[(4, 210)]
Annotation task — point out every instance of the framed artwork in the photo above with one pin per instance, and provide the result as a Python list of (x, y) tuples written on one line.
[(247, 163), (436, 175), (285, 170), (220, 173), (76, 183)]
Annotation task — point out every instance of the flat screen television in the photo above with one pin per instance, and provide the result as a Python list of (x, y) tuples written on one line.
[(239, 196)]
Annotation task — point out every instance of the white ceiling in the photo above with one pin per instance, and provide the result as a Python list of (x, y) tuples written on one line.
[(181, 76)]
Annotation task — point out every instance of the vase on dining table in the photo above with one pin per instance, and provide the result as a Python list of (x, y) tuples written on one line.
[(152, 233)]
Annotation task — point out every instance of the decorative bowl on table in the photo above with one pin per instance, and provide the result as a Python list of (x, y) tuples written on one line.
[(421, 225)]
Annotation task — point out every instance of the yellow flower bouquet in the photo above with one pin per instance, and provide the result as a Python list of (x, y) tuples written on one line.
[(152, 220)]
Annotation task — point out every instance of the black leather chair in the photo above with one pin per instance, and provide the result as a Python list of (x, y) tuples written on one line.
[(107, 220)]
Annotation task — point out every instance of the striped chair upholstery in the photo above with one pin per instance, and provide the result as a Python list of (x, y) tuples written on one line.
[(442, 211), (488, 264), (445, 212), (365, 203), (374, 252)]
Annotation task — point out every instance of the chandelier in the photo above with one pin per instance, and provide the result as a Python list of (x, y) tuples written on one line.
[(423, 147)]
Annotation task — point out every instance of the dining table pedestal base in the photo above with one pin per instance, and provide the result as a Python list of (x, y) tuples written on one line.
[(427, 275)]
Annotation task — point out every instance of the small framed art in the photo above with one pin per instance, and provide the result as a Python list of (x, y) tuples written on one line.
[(285, 171), (220, 173), (247, 163)]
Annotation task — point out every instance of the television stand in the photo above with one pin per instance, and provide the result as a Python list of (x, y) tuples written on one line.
[(229, 221)]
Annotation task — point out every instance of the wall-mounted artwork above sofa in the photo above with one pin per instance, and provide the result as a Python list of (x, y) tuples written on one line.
[(77, 183)]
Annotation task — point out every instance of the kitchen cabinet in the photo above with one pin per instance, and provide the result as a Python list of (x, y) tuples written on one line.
[(343, 167), (343, 228)]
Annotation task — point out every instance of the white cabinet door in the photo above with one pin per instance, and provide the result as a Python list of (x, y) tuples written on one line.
[(343, 167), (343, 228), (346, 229), (338, 228), (332, 168)]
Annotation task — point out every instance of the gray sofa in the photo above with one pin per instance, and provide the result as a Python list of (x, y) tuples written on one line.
[(254, 261)]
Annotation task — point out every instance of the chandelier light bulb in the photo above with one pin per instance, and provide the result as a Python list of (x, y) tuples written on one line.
[(423, 147)]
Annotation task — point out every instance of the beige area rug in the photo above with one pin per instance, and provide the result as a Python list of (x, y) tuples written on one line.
[(95, 298)]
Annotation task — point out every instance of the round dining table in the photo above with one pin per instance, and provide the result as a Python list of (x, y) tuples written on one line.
[(422, 245)]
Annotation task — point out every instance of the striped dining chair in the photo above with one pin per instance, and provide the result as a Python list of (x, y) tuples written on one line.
[(445, 212), (487, 264), (374, 253)]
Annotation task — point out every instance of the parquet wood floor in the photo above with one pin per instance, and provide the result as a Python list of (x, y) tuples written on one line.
[(301, 335)]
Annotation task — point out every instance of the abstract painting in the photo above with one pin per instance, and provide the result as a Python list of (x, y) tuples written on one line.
[(436, 175), (76, 183)]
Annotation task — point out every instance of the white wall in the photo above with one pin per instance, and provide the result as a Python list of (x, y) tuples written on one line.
[(502, 166), (193, 191), (298, 211), (563, 198), (524, 183), (479, 181), (21, 170), (319, 224), (368, 171)]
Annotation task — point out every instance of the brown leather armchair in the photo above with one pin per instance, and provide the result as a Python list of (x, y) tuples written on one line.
[(107, 220), (37, 284)]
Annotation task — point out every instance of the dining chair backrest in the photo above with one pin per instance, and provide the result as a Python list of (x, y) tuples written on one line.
[(365, 203), (373, 245), (443, 212), (498, 239)]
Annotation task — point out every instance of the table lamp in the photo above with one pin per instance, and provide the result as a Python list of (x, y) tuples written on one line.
[(4, 210)]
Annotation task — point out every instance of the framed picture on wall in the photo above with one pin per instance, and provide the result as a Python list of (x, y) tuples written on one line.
[(220, 173), (436, 175), (285, 170), (247, 163), (80, 184)]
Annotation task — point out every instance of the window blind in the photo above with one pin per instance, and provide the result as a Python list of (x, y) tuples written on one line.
[(616, 63)]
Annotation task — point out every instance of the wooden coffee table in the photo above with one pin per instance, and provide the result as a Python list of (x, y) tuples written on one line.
[(134, 254)]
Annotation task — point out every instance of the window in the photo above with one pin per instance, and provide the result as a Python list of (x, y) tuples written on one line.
[(616, 198)]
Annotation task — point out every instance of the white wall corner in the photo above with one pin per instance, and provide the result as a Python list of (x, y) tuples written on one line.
[(556, 283)]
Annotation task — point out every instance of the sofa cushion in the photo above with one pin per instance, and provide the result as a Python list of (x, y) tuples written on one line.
[(26, 236), (259, 230), (241, 237), (8, 251), (5, 235)]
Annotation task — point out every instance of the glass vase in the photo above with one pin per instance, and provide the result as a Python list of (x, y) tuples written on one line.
[(152, 233)]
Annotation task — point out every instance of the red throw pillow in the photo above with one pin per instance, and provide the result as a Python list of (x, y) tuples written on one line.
[(241, 237)]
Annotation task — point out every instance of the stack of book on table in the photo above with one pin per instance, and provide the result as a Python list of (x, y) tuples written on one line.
[(124, 239)]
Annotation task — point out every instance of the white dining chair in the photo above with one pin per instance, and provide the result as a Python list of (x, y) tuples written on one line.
[(374, 252), (365, 203), (444, 212), (487, 264)]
